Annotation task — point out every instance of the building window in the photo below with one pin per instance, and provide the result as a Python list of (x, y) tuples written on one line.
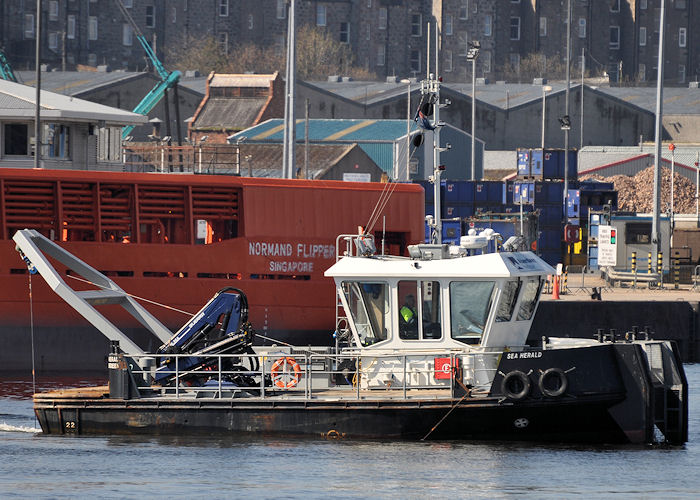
[(485, 62), (16, 139), (223, 42), (488, 25), (681, 73), (415, 61), (381, 55), (642, 36), (320, 15), (150, 16), (642, 4), (543, 26), (369, 4), (70, 28), (448, 61), (368, 31), (614, 37), (129, 3), (251, 21), (514, 60), (382, 18), (53, 40), (173, 15), (464, 9), (53, 10), (29, 26), (582, 27), (92, 28), (416, 24), (92, 59), (615, 6), (127, 35), (281, 9), (58, 140), (679, 4), (223, 8), (463, 44), (448, 25), (515, 28), (682, 38), (345, 32), (642, 73)]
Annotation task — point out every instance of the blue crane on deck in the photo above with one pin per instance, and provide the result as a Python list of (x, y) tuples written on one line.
[(168, 80), (6, 72)]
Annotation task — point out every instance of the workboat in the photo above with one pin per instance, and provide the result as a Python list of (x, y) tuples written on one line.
[(430, 346)]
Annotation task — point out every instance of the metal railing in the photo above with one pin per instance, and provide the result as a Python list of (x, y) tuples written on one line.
[(199, 159), (318, 376)]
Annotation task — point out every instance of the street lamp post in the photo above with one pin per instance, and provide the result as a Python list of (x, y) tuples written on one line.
[(472, 54), (545, 89)]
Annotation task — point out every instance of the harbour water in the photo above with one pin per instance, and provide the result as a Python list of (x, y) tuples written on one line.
[(37, 466)]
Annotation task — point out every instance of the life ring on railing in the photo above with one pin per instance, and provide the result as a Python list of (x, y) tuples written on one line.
[(553, 382), (286, 372), (515, 385)]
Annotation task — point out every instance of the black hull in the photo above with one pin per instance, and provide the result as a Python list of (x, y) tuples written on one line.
[(562, 421), (610, 396)]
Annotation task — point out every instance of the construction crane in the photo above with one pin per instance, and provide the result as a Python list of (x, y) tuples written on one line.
[(168, 80), (6, 72)]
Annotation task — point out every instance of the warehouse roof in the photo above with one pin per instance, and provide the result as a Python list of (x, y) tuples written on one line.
[(18, 101), (329, 131)]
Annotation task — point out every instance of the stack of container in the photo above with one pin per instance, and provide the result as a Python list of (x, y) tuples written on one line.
[(540, 185)]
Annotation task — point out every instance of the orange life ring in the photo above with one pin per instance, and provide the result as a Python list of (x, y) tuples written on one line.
[(289, 375)]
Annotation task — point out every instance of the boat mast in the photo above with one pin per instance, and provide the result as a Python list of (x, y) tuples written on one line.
[(430, 89)]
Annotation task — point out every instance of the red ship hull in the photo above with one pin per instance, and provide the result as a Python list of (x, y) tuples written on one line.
[(271, 238)]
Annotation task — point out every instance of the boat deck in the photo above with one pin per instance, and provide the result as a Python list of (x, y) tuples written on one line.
[(82, 394)]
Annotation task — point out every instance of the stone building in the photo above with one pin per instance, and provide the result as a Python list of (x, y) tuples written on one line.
[(388, 37)]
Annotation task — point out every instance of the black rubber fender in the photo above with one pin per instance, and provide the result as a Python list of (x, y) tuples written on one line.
[(516, 385), (546, 378)]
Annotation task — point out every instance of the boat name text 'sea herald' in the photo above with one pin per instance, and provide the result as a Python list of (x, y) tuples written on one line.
[(428, 346)]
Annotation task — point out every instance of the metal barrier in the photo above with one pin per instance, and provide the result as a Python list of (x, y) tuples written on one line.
[(306, 376), (696, 277)]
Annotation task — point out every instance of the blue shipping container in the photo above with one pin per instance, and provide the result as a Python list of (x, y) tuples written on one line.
[(524, 162), (551, 257), (550, 239), (451, 231), (488, 192), (549, 164), (458, 210), (459, 191), (573, 203), (550, 217), (573, 164), (549, 193)]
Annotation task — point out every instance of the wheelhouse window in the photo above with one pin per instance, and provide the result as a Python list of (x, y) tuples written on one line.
[(369, 306), (419, 310), (470, 303), (531, 293), (16, 139), (509, 297)]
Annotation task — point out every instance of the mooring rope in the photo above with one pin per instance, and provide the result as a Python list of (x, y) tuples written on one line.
[(466, 393)]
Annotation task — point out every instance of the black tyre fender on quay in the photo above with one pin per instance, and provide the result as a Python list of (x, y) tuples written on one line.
[(553, 377), (516, 385)]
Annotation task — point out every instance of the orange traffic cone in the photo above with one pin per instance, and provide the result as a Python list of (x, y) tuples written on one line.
[(555, 289)]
